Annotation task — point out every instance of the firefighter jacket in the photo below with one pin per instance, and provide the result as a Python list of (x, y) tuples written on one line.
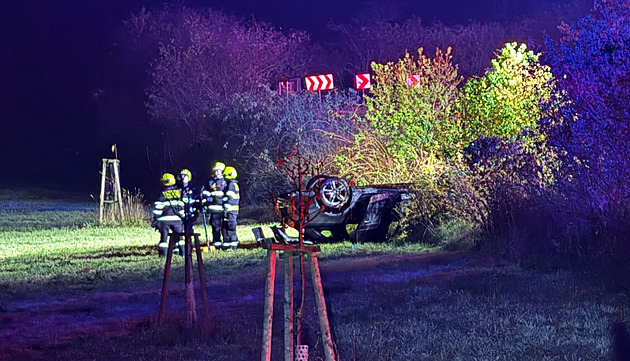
[(169, 207), (232, 197), (189, 198), (213, 194)]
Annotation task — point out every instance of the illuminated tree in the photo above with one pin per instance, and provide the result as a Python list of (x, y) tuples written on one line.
[(406, 124), (507, 113), (508, 98)]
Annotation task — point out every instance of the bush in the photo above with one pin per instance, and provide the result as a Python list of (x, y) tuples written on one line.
[(592, 62)]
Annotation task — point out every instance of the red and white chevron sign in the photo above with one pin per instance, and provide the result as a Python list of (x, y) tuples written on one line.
[(362, 81), (319, 82), (413, 80)]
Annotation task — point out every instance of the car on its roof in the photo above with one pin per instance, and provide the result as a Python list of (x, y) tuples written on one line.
[(334, 204)]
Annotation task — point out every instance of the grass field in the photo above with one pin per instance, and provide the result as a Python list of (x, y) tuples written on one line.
[(72, 291)]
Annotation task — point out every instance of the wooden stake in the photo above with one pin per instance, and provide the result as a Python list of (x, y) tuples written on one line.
[(288, 309), (191, 307), (268, 312), (102, 197), (202, 278), (167, 275), (324, 326), (117, 188)]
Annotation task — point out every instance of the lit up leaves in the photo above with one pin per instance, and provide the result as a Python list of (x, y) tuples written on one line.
[(422, 115), (508, 98), (407, 129)]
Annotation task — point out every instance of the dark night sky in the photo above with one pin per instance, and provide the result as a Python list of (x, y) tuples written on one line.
[(57, 56)]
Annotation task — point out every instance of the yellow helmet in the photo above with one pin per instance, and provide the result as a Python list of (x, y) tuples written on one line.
[(218, 166), (185, 172), (168, 179), (230, 173)]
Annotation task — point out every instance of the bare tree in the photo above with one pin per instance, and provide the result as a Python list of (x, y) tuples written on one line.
[(204, 57)]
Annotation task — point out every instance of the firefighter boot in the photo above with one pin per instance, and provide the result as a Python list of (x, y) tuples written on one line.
[(162, 249)]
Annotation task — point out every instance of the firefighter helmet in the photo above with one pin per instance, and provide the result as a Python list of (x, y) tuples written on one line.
[(185, 172), (218, 166), (168, 179), (230, 173)]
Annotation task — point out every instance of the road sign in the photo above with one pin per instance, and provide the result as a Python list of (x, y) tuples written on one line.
[(413, 80), (362, 81), (319, 82), (286, 87)]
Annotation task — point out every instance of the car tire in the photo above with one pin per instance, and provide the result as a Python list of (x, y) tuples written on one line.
[(335, 194), (315, 181)]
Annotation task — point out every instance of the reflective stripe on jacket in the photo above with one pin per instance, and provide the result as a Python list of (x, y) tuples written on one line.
[(232, 196), (170, 206), (214, 193)]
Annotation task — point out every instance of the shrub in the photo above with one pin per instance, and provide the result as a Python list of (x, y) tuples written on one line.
[(592, 63)]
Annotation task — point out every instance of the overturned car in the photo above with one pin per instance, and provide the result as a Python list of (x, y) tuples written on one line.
[(333, 204)]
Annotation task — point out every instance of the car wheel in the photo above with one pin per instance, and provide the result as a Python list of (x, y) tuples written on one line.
[(315, 181), (335, 194)]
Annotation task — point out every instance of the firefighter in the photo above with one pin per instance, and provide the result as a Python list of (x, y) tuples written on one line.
[(213, 193), (230, 208), (189, 196), (168, 212)]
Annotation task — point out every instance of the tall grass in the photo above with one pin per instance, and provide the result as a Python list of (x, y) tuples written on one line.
[(134, 208)]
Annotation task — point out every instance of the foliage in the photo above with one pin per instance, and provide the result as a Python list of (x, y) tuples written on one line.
[(592, 63), (204, 57), (413, 133), (407, 128), (463, 151), (510, 97), (508, 113), (260, 129)]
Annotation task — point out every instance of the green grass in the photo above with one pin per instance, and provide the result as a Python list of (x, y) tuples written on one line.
[(53, 243), (385, 302)]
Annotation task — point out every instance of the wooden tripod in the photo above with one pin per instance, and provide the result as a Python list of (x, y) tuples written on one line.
[(188, 268), (111, 193), (288, 251)]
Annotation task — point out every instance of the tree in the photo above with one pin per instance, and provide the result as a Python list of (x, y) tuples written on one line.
[(508, 113), (510, 97), (413, 104), (204, 58), (592, 63), (260, 128)]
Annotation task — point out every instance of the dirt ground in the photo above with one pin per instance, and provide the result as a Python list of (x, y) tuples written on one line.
[(30, 325)]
